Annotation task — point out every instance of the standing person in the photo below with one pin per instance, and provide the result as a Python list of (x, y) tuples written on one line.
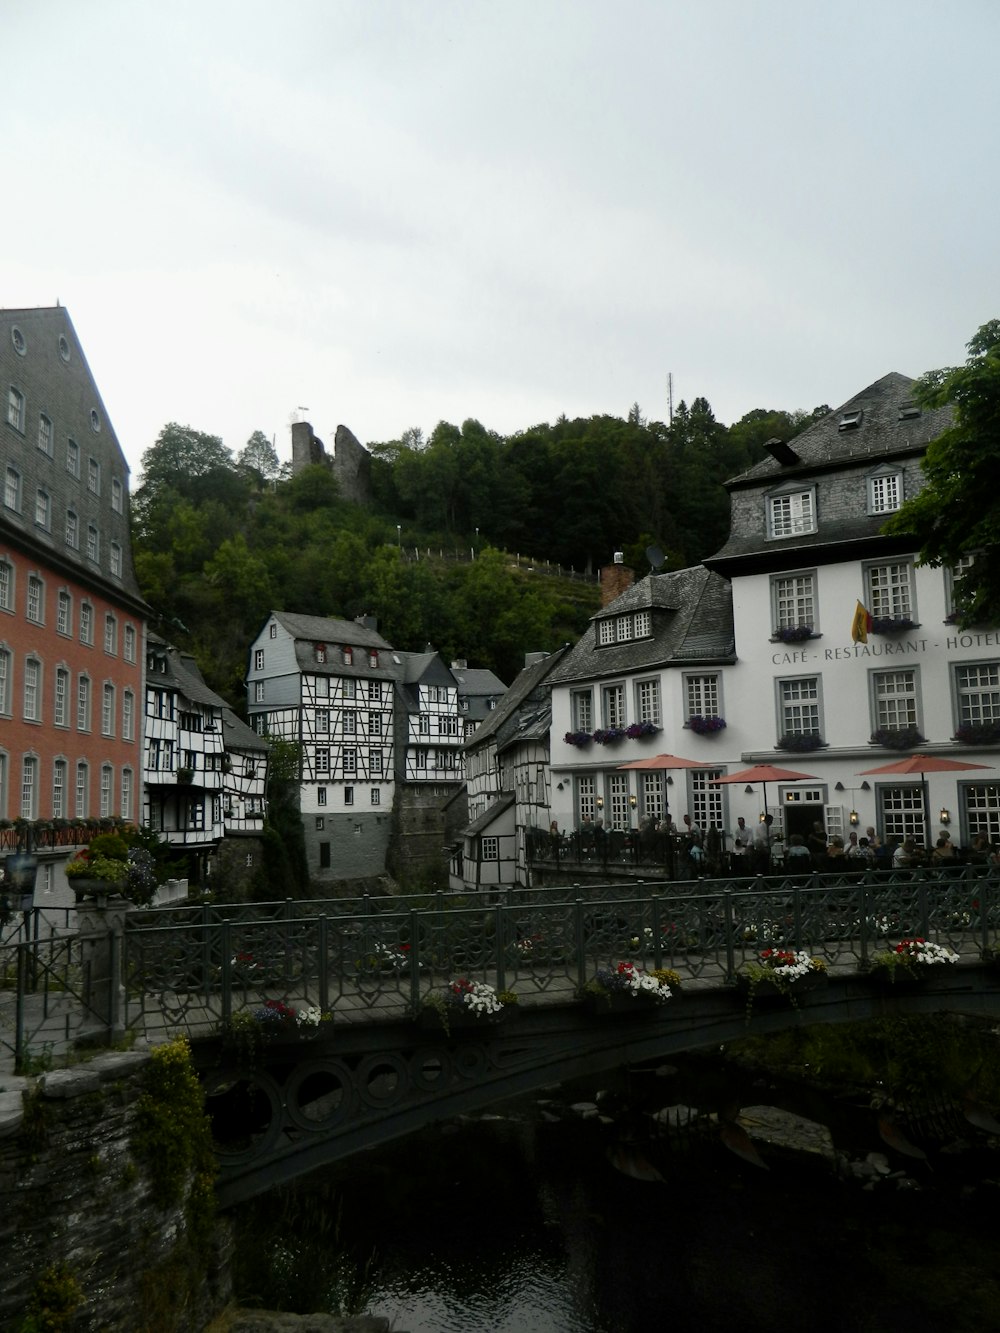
[(693, 831), (762, 839), (742, 843), (817, 844)]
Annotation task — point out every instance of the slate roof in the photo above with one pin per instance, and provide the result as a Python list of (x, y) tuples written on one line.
[(183, 674), (881, 433), (504, 720), (692, 621), (323, 629), (818, 455), (502, 803)]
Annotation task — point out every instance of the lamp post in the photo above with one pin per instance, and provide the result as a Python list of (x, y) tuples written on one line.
[(399, 536)]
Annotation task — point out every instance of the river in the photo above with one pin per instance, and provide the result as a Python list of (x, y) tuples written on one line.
[(526, 1222)]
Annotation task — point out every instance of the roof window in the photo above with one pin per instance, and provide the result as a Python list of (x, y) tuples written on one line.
[(908, 412), (850, 420)]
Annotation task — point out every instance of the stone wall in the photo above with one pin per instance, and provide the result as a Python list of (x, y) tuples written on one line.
[(350, 462), (77, 1204)]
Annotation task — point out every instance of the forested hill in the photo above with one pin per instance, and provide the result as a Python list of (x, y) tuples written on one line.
[(221, 539)]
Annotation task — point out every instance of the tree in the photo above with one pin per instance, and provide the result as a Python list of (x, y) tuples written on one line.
[(956, 516), (181, 452), (259, 455)]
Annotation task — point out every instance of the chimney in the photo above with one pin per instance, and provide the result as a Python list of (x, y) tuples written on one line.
[(615, 578)]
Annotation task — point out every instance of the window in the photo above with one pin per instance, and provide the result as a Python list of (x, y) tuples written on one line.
[(110, 635), (491, 849), (350, 689), (613, 702), (953, 581), (258, 659), (324, 856), (29, 787), (376, 795), (12, 489), (585, 799), (374, 689), (798, 706), (606, 631), (894, 700), (322, 721), (43, 509), (652, 795), (5, 681), (322, 686), (902, 812), (701, 696), (885, 492), (375, 761), (107, 787), (978, 694), (706, 797), (375, 724), (321, 796), (889, 591), (3, 785), (793, 601), (373, 657), (350, 759), (349, 724), (60, 711), (35, 608), (647, 701), (117, 496), (642, 625), (93, 476), (420, 757), (45, 434), (32, 690), (791, 513), (15, 409), (128, 716), (258, 691), (72, 529), (93, 544), (423, 725), (129, 646), (115, 560), (273, 630), (348, 795), (126, 811), (82, 790), (582, 710), (64, 613), (982, 809), (83, 704), (6, 586), (86, 623), (59, 778), (322, 759), (108, 710), (72, 458)]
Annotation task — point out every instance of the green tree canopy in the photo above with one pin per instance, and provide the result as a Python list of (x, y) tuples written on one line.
[(956, 515)]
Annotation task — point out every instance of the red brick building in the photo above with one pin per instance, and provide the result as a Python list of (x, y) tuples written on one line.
[(72, 620)]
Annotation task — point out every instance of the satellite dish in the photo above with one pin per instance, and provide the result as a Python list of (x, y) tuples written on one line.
[(655, 556)]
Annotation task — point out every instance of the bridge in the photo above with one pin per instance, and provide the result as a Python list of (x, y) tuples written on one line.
[(287, 1098)]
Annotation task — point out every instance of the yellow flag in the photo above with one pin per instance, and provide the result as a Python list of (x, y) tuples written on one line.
[(861, 624)]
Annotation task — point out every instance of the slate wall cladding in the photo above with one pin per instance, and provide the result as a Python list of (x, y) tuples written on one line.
[(72, 1193)]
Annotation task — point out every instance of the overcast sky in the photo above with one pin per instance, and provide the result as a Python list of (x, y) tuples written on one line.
[(391, 212)]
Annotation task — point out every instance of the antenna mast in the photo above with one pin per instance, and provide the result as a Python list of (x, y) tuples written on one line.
[(670, 398)]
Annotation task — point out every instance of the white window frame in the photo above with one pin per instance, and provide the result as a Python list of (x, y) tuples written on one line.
[(108, 709), (977, 693), (800, 705), (884, 491), (32, 689), (128, 715), (15, 409), (895, 698), (45, 434), (6, 682), (12, 489), (43, 509), (86, 623), (890, 593), (73, 458), (793, 600), (489, 847), (702, 694), (60, 707), (613, 705), (34, 609), (83, 703), (128, 646), (64, 613), (111, 635), (791, 513), (29, 787), (582, 710), (647, 701), (6, 586), (117, 496), (81, 789)]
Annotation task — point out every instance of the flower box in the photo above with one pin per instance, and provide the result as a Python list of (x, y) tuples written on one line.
[(578, 738), (910, 963), (706, 726), (897, 738), (800, 741), (609, 735), (892, 625), (626, 988), (982, 733), (793, 634)]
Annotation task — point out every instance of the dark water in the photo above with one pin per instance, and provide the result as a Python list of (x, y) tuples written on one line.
[(518, 1225)]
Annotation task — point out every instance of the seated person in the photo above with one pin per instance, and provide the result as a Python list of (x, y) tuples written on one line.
[(797, 853), (835, 848), (860, 853), (943, 852), (905, 855)]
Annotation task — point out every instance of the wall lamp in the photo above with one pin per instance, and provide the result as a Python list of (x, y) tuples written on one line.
[(632, 800), (670, 781), (600, 802), (866, 786), (854, 817), (945, 815)]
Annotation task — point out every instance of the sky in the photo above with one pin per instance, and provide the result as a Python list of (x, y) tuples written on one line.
[(388, 213)]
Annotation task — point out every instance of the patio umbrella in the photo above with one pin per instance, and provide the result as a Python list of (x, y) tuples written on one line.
[(922, 764), (765, 773)]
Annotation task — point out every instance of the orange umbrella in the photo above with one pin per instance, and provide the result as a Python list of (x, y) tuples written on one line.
[(922, 764), (666, 761), (765, 773)]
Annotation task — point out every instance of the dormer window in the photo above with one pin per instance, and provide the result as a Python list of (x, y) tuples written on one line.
[(348, 656), (319, 651), (791, 513), (850, 420), (885, 491), (373, 657), (908, 412)]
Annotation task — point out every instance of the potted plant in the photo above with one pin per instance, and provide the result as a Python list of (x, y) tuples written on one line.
[(909, 961), (978, 733), (892, 624), (792, 634), (800, 741), (463, 1004), (626, 988), (780, 973), (578, 738), (706, 726), (635, 731), (97, 875), (609, 735), (897, 738)]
